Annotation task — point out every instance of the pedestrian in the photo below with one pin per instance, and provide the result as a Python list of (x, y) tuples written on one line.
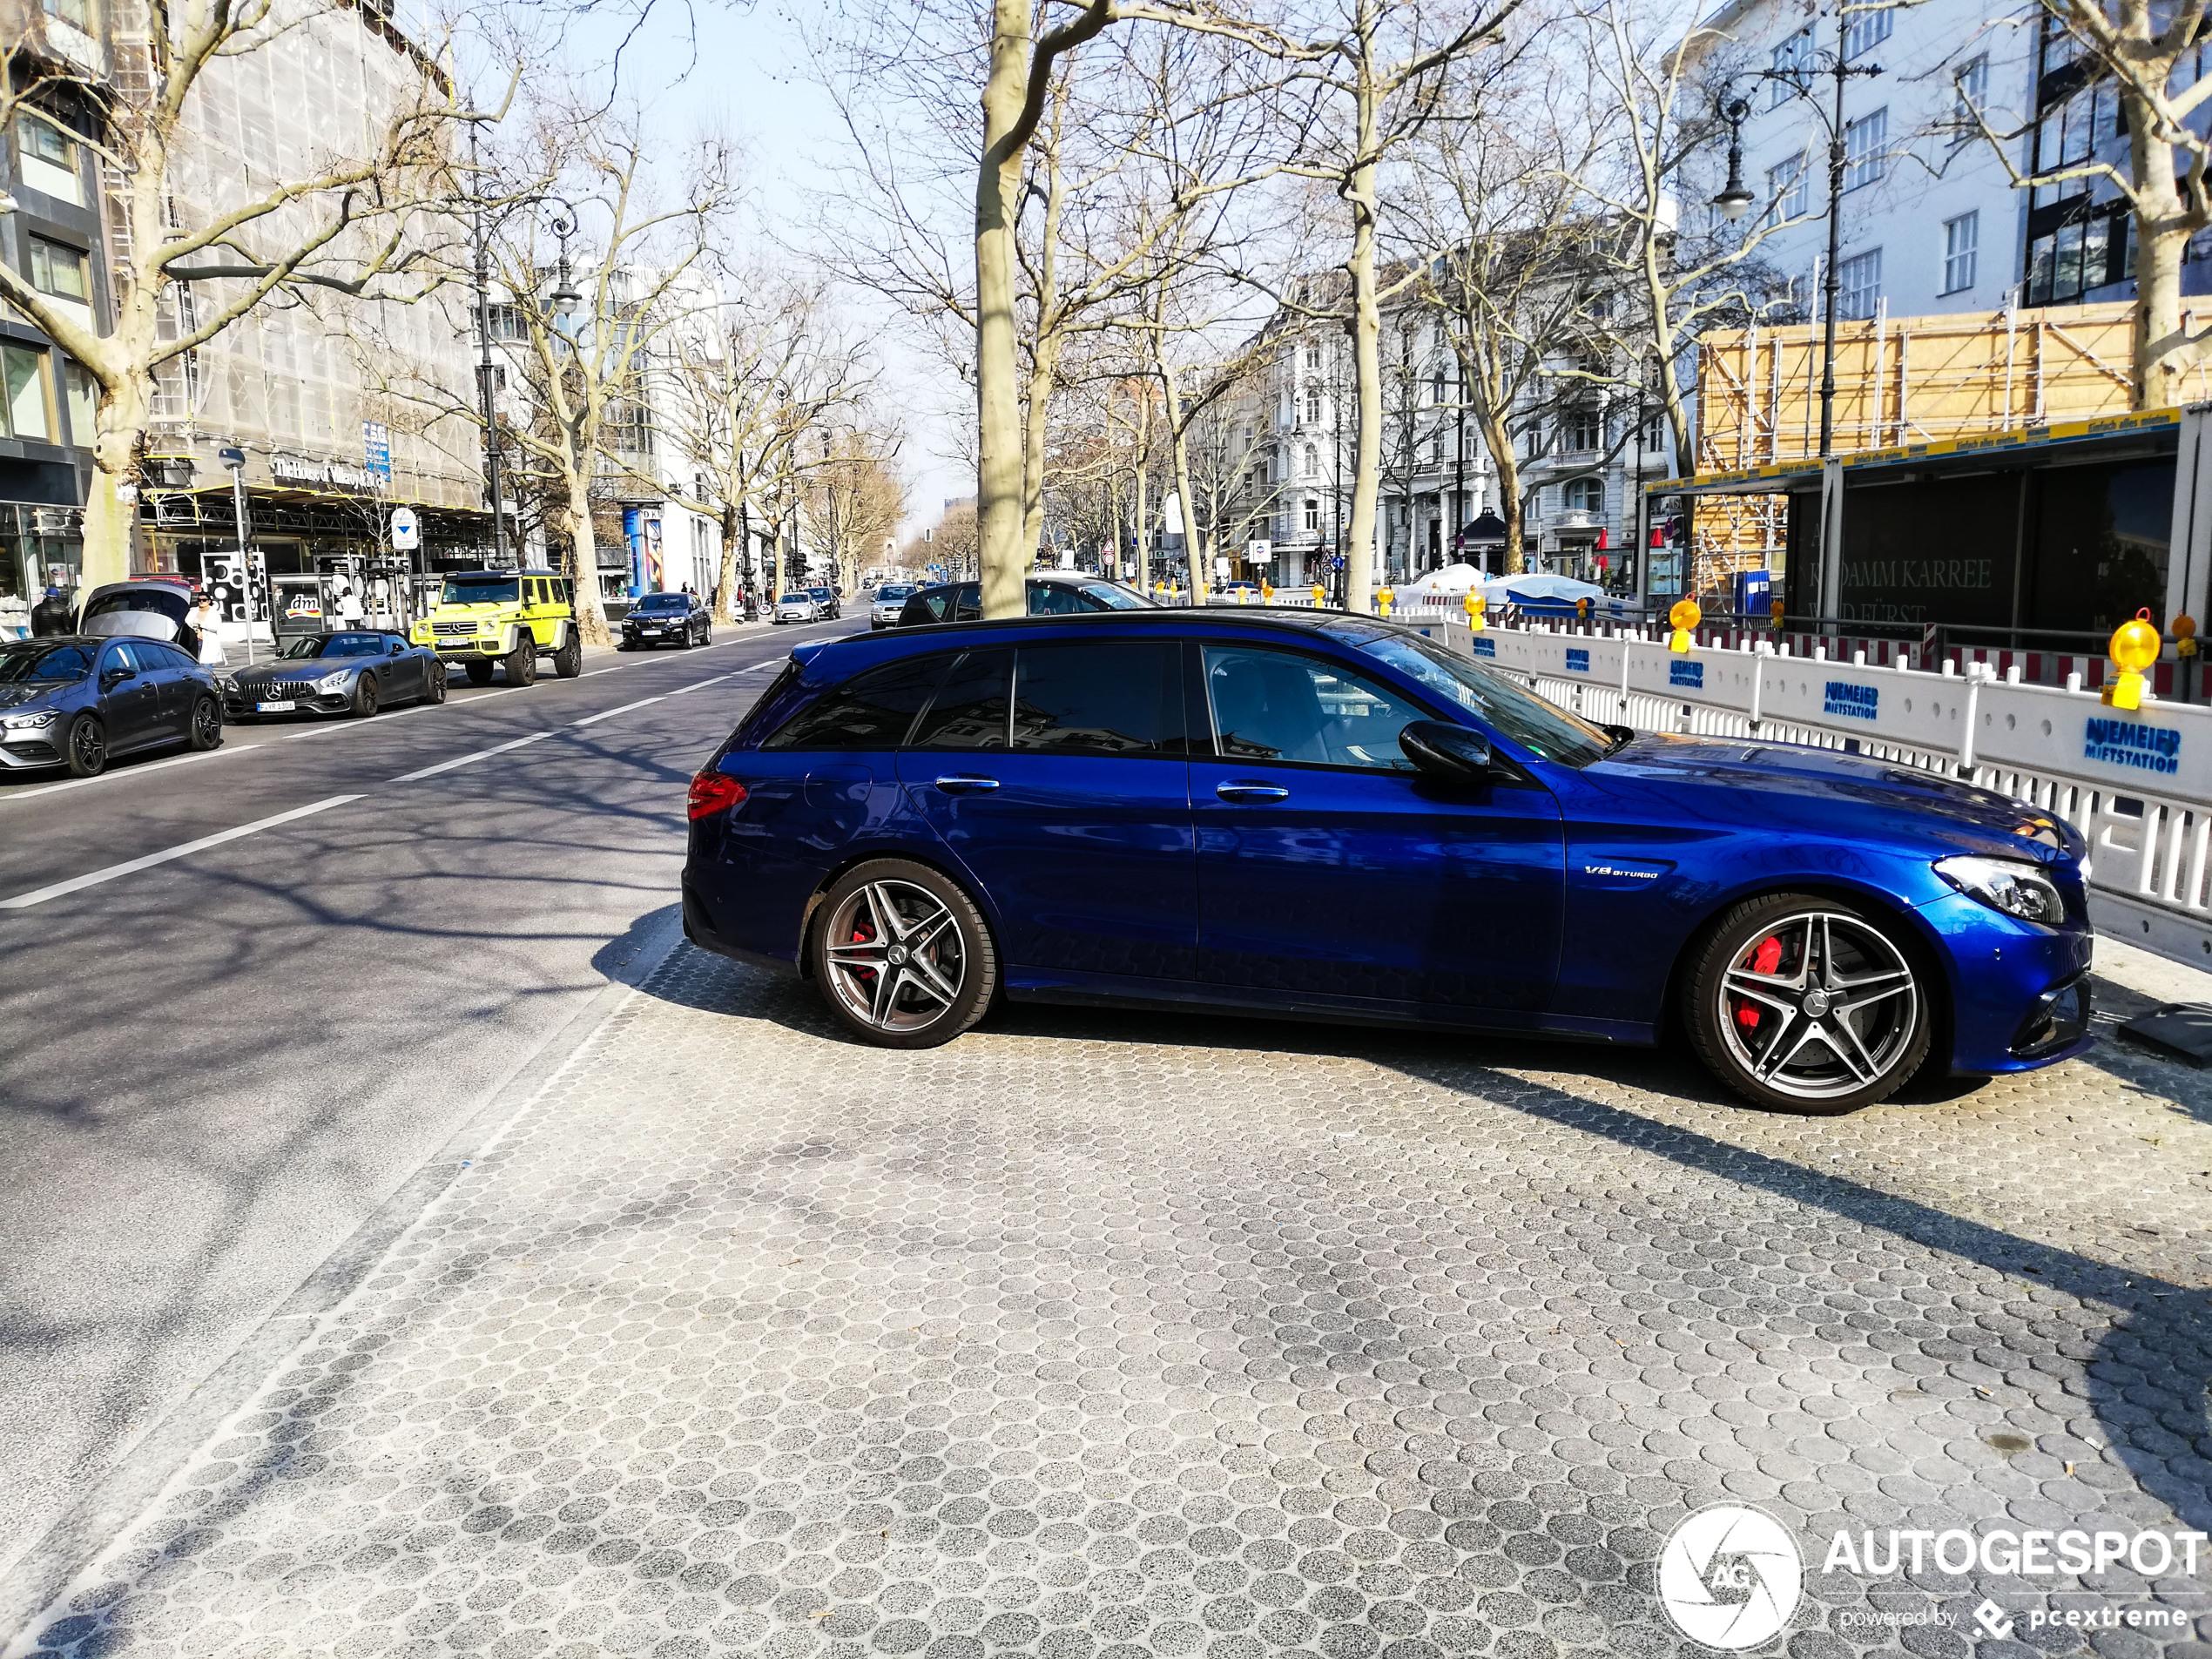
[(349, 605), (204, 617), (50, 615)]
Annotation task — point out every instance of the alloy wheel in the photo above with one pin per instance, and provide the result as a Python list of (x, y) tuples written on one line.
[(207, 723), (1819, 1005), (895, 958), (87, 746)]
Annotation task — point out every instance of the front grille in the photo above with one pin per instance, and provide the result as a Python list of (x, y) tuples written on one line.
[(291, 688), (453, 627)]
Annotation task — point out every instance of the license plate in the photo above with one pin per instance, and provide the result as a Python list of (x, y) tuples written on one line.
[(284, 707)]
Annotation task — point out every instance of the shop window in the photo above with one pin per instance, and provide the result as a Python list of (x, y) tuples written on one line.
[(60, 270), (23, 376)]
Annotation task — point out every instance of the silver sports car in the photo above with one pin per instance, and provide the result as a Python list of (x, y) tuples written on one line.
[(353, 673)]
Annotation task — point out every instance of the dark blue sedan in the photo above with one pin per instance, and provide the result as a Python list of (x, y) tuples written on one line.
[(80, 701), (1316, 815)]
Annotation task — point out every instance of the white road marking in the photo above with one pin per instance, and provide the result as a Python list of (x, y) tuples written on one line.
[(609, 669), (481, 754), (24, 901), (609, 714), (697, 685)]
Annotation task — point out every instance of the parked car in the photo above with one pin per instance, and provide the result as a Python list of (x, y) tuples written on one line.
[(833, 605), (798, 605), (356, 673), (81, 700), (146, 607), (1051, 593), (1315, 815), (488, 619), (888, 602), (667, 619)]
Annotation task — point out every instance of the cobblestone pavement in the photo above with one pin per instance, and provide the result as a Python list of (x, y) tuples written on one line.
[(1100, 1337)]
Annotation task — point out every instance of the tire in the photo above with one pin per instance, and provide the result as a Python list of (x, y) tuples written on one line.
[(433, 687), (84, 746), (205, 730), (872, 912), (479, 673), (568, 662), (1779, 979), (522, 662), (365, 695)]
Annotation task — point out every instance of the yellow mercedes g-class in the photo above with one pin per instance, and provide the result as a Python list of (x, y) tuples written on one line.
[(506, 620)]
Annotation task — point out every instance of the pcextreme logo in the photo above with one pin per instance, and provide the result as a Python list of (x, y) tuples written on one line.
[(1729, 1576)]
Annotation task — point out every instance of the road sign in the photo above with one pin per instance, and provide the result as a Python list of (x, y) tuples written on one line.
[(376, 450), (231, 457), (407, 534), (1259, 552)]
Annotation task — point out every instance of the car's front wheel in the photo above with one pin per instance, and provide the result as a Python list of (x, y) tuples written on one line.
[(206, 731), (365, 698), (568, 662), (84, 746), (902, 956), (434, 683), (1803, 1004)]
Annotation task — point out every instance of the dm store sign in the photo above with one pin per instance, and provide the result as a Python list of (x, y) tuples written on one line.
[(2131, 743), (1851, 702)]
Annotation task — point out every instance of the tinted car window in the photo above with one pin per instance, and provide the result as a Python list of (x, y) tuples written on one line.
[(1111, 596), (22, 662), (969, 709), (480, 590), (969, 606), (1055, 599), (154, 654), (1098, 699), (871, 710), (1272, 705), (121, 657), (1544, 729), (665, 601)]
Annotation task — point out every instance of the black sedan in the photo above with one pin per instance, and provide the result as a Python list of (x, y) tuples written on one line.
[(1051, 593), (354, 673), (79, 701), (666, 619)]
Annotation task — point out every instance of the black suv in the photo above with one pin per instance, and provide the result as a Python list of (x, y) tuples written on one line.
[(667, 619), (1055, 593)]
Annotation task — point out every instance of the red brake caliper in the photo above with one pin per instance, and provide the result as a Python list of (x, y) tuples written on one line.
[(1764, 960)]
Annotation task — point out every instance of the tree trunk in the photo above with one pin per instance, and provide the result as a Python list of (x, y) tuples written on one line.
[(1366, 360), (2162, 356), (119, 431), (1143, 534), (1194, 547), (1498, 436), (725, 581), (590, 608), (998, 404)]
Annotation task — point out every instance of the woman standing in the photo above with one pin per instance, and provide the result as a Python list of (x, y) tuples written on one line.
[(204, 617)]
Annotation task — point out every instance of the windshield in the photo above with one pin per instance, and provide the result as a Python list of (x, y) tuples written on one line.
[(1547, 732), (338, 646), (663, 602), (819, 593), (1114, 596), (795, 598), (480, 590), (22, 662), (896, 591)]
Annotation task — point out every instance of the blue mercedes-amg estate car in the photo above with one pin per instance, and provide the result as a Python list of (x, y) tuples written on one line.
[(1319, 815)]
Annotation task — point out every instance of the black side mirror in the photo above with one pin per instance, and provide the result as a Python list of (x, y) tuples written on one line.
[(1446, 753), (394, 649), (111, 677)]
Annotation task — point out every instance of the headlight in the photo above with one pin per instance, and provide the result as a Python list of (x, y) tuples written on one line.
[(2019, 890), (29, 722), (331, 682)]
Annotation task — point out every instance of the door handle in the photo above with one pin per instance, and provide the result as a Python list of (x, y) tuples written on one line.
[(967, 783), (1251, 792)]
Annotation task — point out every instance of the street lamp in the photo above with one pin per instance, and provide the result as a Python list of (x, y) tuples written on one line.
[(562, 225), (1734, 200)]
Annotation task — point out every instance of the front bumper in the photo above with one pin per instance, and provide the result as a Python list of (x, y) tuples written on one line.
[(2019, 993), (238, 706), (33, 749)]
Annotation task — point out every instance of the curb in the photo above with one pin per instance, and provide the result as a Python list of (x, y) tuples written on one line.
[(37, 1579)]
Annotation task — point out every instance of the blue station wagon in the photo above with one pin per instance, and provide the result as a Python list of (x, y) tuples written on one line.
[(1322, 816)]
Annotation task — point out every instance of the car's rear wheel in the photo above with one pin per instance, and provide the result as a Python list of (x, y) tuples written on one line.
[(365, 698), (84, 746), (479, 673), (522, 662), (568, 662), (1803, 1004), (902, 956), (206, 730), (434, 683)]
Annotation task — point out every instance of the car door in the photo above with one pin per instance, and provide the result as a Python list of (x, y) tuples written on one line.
[(180, 682), (130, 700), (1057, 775), (402, 670), (1327, 866)]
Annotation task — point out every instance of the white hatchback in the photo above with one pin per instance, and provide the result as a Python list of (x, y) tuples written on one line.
[(797, 607)]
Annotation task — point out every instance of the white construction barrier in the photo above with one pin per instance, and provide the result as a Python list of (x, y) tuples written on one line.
[(2137, 783)]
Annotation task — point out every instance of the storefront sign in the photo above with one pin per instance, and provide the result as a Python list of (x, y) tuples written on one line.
[(2131, 743), (299, 470), (1853, 702)]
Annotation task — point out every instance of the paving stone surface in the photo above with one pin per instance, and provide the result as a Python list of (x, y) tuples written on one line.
[(1101, 1337)]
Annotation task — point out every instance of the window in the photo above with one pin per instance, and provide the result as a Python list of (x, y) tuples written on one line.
[(83, 398), (1099, 699), (1790, 59), (76, 13), (1865, 141), (46, 159), (60, 270), (1969, 94), (1789, 191), (871, 710), (505, 322), (1961, 236), (1583, 496), (1314, 404), (1859, 281), (2072, 250), (1272, 705), (1551, 733), (1863, 30), (1312, 514), (1582, 428), (1057, 599), (22, 372), (969, 709)]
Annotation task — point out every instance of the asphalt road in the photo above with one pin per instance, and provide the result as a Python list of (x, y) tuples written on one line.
[(216, 1066)]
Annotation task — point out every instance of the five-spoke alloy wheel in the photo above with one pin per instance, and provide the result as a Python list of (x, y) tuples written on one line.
[(902, 956), (1809, 1004)]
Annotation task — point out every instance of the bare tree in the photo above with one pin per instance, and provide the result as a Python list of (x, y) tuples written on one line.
[(854, 499), (354, 217)]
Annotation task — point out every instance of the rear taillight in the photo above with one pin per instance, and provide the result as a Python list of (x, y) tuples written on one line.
[(714, 791)]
